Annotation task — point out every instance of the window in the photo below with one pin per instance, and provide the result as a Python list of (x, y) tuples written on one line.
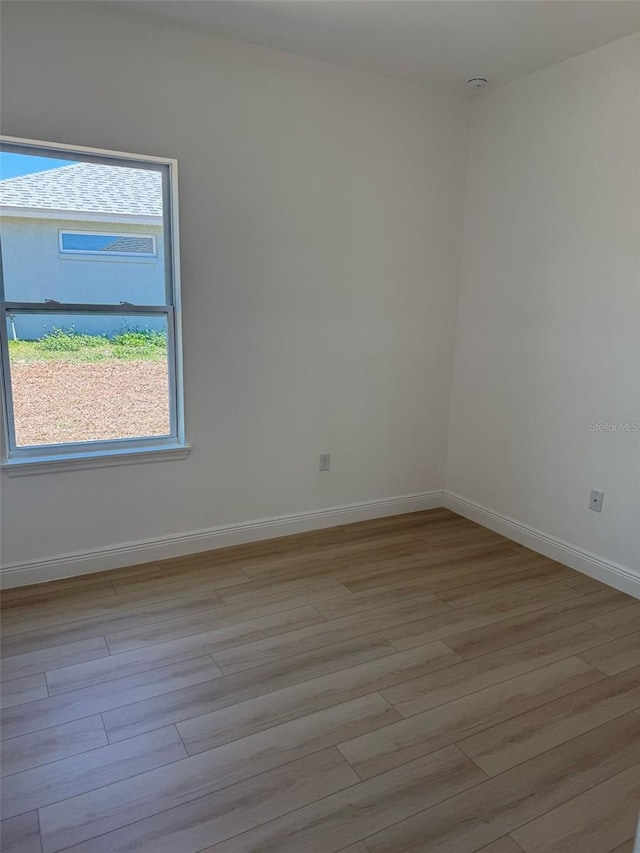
[(91, 357), (118, 245)]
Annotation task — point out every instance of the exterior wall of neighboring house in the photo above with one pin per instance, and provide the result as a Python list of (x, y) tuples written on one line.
[(35, 269)]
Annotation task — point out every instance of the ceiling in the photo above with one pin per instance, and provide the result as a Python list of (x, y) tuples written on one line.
[(438, 41)]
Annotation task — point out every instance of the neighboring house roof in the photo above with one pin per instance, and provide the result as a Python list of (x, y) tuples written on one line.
[(87, 188)]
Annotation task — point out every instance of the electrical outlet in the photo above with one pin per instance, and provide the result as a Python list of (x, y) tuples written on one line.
[(595, 503), (325, 461)]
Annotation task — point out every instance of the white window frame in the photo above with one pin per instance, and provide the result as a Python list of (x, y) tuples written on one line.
[(54, 457), (147, 256)]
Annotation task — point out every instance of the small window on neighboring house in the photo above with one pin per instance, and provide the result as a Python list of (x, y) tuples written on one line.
[(119, 245), (91, 357)]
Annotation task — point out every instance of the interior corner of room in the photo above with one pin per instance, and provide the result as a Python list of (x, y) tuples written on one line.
[(320, 459), (438, 288)]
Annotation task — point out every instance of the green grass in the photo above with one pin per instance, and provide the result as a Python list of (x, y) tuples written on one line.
[(69, 345)]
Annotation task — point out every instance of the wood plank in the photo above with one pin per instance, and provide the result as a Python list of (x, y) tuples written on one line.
[(224, 628), (254, 715), (287, 589), (447, 562), (150, 793), (109, 616), (139, 570), (117, 666), (503, 746), (595, 821), (36, 748), (31, 663), (329, 561), (338, 566), (488, 639), (312, 591), (348, 605), (20, 834), (338, 820), (464, 678), (213, 817), (43, 713), (36, 634), (20, 690), (503, 845), (326, 723), (443, 568), (263, 651), (458, 543), (392, 543), (169, 582), (370, 559), (476, 616), (620, 622), (413, 522), (465, 595), (78, 774), (56, 615), (458, 589), (585, 584), (380, 750), (454, 529), (146, 595), (30, 602), (204, 698), (616, 656), (300, 544), (153, 655), (46, 588), (629, 846), (148, 657), (500, 805)]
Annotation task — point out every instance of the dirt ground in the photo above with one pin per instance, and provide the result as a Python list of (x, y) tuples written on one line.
[(57, 401)]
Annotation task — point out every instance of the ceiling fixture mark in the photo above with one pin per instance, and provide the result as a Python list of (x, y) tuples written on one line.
[(477, 82)]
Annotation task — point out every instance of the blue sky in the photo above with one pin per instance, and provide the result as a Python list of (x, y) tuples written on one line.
[(12, 165)]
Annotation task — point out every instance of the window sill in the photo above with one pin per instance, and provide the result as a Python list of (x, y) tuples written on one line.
[(78, 461)]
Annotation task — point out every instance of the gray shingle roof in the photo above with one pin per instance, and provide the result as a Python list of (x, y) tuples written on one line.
[(87, 188), (133, 245)]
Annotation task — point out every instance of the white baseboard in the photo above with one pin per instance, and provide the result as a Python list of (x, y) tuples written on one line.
[(180, 544), (177, 545), (613, 574)]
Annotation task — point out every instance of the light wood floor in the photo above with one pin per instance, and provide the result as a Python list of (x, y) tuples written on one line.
[(415, 683)]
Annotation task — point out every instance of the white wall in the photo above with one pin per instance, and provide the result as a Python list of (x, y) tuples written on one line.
[(321, 218), (320, 226), (548, 333)]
